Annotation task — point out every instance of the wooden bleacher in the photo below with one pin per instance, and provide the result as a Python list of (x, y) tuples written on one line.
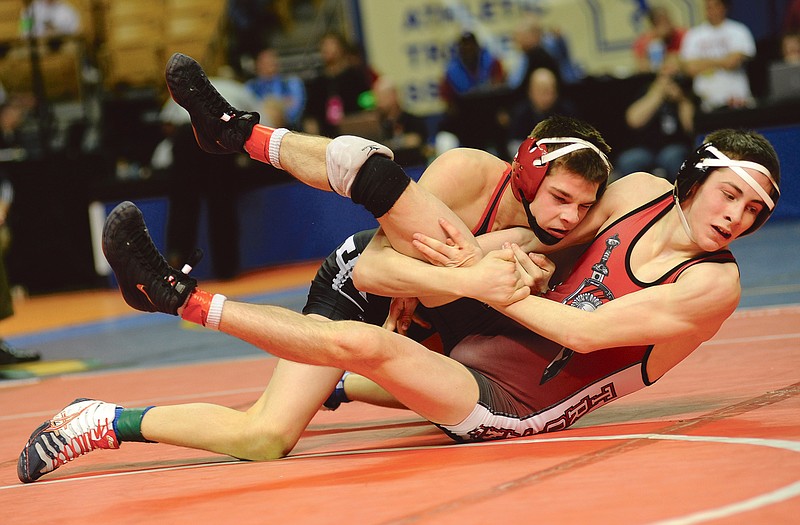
[(139, 37), (59, 63), (129, 41)]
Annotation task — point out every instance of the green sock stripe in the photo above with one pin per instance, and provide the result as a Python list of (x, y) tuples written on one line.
[(129, 425)]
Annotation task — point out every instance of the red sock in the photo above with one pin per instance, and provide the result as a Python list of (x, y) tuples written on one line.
[(264, 145), (196, 309), (258, 143)]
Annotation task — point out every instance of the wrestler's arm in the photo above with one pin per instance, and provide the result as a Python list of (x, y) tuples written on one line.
[(693, 308), (731, 61), (381, 270), (460, 179)]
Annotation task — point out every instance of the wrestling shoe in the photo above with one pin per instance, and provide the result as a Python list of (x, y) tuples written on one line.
[(147, 282), (218, 127), (84, 425)]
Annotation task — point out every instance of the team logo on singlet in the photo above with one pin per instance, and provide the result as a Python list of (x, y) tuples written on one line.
[(589, 296), (346, 258)]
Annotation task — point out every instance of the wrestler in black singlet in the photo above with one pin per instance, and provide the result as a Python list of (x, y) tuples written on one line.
[(334, 296)]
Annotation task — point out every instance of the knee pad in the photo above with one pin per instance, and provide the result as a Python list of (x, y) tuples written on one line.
[(345, 156), (379, 184)]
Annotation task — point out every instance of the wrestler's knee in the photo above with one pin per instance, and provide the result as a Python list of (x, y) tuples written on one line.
[(357, 345), (344, 157), (264, 441), (379, 184), (364, 171)]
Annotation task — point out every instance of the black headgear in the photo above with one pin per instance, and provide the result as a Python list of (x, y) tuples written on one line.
[(707, 158)]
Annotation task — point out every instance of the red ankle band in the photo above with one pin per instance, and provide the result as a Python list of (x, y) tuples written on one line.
[(196, 309), (258, 143)]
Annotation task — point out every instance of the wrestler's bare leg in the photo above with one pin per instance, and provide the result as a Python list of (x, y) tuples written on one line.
[(445, 394), (221, 128), (267, 430)]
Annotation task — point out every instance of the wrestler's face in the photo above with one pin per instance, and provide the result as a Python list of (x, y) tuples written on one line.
[(723, 207), (562, 201)]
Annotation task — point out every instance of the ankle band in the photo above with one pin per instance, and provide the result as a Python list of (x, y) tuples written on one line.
[(264, 144), (275, 147), (128, 424), (197, 306), (215, 311)]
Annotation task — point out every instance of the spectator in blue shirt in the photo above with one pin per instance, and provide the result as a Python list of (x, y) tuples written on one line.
[(282, 97)]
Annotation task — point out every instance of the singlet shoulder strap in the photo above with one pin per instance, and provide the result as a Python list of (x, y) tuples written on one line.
[(487, 218), (722, 256)]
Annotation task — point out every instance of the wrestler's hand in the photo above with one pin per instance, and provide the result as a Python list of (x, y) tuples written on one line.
[(454, 253), (496, 279), (536, 269), (401, 315)]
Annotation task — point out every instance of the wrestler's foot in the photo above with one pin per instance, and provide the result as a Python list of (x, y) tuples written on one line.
[(218, 126), (84, 425), (145, 279)]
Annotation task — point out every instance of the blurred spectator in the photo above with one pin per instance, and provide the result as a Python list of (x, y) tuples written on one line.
[(530, 55), (18, 139), (49, 19), (714, 54), (12, 148), (282, 97), (791, 21), (661, 41), (11, 118), (404, 133), (335, 92), (8, 354), (662, 123), (473, 90), (252, 25), (543, 101), (555, 44), (790, 48), (356, 56), (197, 176)]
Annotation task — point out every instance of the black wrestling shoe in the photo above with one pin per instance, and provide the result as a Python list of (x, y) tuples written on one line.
[(218, 127), (11, 356), (145, 279)]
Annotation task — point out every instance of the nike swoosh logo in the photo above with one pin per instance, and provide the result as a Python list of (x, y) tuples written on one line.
[(142, 289)]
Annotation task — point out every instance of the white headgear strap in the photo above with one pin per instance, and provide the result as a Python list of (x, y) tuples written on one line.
[(723, 161), (575, 144)]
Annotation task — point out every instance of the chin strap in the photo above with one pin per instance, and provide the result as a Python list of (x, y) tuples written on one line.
[(543, 236), (684, 222), (723, 161)]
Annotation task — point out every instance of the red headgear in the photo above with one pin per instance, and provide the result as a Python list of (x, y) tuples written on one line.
[(532, 160)]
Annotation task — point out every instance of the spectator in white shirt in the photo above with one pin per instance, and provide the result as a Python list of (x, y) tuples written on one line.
[(714, 54)]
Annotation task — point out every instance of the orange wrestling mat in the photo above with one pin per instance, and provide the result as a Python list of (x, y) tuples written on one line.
[(717, 440)]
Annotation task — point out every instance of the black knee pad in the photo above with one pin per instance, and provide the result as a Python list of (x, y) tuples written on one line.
[(378, 185)]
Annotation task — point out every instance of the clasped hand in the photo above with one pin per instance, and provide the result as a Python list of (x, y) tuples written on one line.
[(498, 277)]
